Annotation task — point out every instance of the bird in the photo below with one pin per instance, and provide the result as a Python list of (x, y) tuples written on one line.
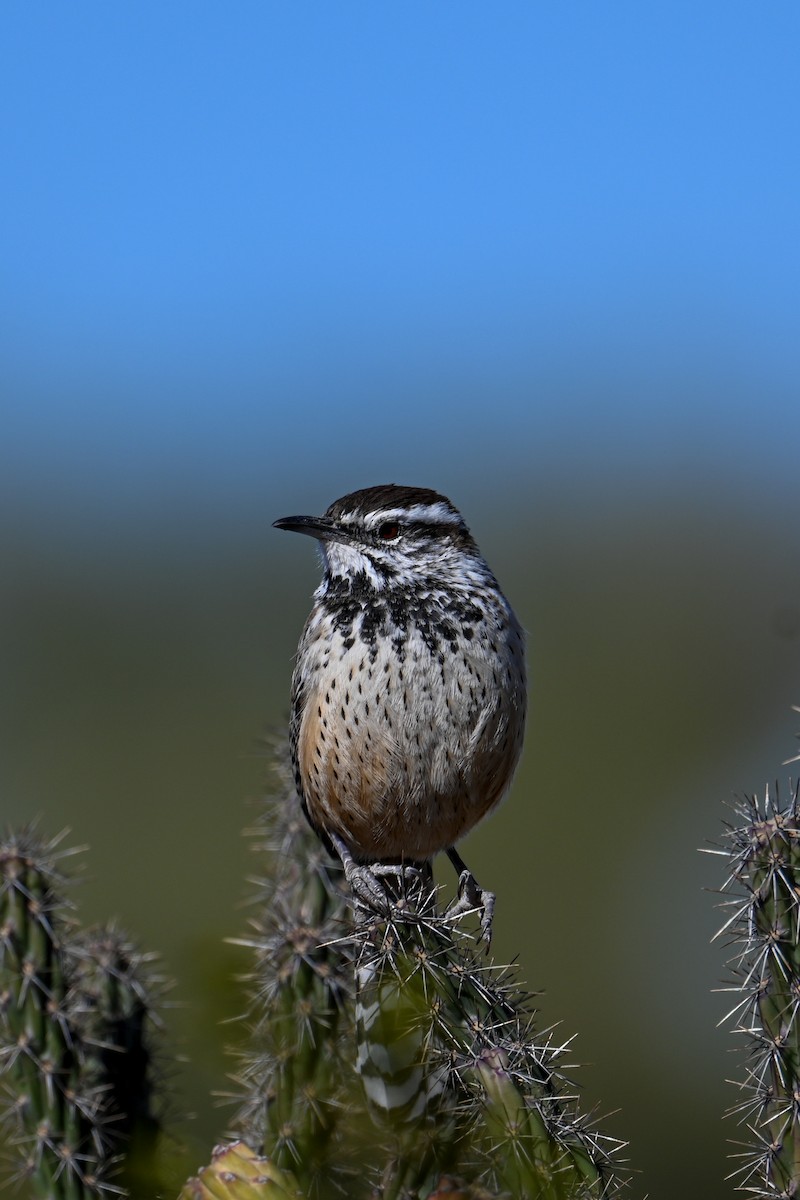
[(408, 695)]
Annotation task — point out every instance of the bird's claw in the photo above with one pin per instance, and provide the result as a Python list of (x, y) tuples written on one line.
[(366, 888), (472, 897), (381, 886), (386, 887)]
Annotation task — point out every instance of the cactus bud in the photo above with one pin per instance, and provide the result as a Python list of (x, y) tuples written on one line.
[(237, 1173)]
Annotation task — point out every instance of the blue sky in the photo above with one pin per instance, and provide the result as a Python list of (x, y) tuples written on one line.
[(242, 237)]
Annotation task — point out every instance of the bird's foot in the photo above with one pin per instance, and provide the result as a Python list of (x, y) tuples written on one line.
[(472, 897), (381, 887)]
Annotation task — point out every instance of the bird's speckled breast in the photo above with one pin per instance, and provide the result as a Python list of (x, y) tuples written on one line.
[(404, 740)]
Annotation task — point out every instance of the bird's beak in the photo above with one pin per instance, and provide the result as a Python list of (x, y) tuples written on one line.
[(321, 528)]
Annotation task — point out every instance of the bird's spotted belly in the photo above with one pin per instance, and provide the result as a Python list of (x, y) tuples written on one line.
[(398, 753)]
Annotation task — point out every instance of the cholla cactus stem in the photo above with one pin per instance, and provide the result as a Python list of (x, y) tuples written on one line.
[(66, 1000), (764, 925)]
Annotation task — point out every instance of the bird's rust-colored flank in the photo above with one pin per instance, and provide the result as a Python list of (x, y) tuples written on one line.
[(408, 695)]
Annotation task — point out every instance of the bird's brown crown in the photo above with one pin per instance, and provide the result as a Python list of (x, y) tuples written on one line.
[(391, 496)]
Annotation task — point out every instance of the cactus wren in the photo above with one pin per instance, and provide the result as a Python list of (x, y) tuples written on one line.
[(408, 693)]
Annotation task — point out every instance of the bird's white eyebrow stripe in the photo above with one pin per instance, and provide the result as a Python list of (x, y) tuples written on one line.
[(426, 514)]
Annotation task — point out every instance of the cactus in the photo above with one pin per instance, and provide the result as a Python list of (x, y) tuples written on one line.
[(56, 1108), (72, 1017), (115, 997), (763, 853), (389, 1041), (293, 1074), (459, 1074)]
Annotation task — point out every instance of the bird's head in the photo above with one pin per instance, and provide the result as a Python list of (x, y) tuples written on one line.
[(393, 536)]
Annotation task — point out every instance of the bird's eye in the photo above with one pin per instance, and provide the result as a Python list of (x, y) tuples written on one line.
[(388, 531)]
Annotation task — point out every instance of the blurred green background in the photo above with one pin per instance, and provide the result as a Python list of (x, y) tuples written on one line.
[(543, 260)]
